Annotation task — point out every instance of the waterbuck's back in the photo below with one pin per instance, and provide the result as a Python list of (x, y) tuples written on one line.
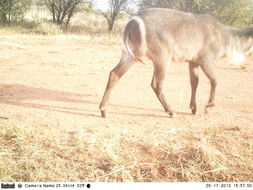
[(184, 36)]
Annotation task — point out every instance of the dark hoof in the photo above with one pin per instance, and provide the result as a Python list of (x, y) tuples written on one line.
[(208, 107), (103, 113), (194, 112), (194, 109), (173, 114)]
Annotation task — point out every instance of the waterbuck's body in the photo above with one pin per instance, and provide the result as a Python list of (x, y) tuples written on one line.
[(165, 35)]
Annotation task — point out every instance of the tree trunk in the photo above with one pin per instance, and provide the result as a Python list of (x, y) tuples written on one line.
[(58, 14), (68, 19), (58, 18), (53, 11), (4, 18), (63, 15), (110, 26), (9, 18), (111, 22)]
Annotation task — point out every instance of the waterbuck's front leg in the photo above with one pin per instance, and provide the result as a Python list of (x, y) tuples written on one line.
[(194, 79), (157, 86), (125, 63), (206, 67)]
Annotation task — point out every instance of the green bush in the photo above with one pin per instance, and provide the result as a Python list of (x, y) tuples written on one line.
[(13, 10)]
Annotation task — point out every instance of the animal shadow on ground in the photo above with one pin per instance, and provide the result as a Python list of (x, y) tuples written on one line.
[(20, 95)]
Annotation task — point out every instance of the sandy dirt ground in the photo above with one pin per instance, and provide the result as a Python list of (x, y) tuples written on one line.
[(61, 80)]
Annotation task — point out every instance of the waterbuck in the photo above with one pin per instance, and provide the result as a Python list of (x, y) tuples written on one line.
[(165, 35)]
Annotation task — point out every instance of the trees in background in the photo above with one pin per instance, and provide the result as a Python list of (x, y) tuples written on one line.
[(232, 12), (116, 7), (13, 10), (63, 10)]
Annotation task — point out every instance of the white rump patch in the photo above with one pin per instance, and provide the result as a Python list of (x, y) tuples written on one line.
[(142, 28)]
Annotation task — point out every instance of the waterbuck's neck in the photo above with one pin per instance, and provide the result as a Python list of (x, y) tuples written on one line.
[(240, 41)]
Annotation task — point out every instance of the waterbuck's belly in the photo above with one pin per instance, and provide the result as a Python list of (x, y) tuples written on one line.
[(186, 52)]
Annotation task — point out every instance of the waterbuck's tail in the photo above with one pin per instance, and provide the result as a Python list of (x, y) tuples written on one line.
[(135, 38)]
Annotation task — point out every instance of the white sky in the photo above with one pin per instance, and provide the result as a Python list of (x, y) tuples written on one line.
[(101, 4), (104, 4)]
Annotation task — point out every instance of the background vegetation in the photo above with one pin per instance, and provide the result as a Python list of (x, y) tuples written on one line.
[(13, 10), (233, 12), (79, 16)]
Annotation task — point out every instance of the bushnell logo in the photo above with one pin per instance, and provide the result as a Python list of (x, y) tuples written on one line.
[(7, 185)]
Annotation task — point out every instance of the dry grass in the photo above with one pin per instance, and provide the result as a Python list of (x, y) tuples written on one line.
[(121, 154), (92, 23)]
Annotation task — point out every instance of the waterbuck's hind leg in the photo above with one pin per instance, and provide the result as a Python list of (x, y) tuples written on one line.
[(213, 81), (157, 86), (125, 63), (194, 79)]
